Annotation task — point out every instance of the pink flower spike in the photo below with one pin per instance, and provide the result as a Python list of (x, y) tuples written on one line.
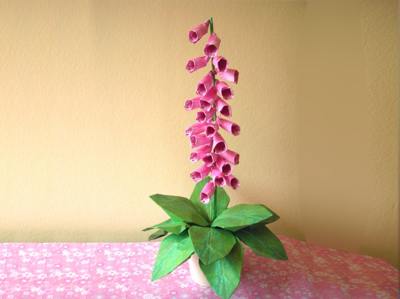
[(229, 126), (209, 159), (224, 167), (196, 63), (197, 32), (224, 90), (200, 173), (197, 140), (230, 75), (220, 63), (218, 145), (223, 107), (207, 192), (232, 181), (230, 156), (212, 45), (205, 84), (192, 104)]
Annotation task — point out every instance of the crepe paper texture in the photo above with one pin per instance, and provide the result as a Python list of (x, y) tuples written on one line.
[(203, 224)]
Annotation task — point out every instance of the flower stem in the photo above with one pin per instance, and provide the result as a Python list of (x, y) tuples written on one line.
[(212, 64), (214, 118)]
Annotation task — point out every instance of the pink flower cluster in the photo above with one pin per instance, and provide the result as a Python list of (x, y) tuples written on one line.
[(207, 143)]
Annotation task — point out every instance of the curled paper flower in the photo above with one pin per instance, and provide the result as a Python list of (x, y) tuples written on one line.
[(196, 63), (212, 45), (209, 147), (229, 75), (197, 32), (220, 63)]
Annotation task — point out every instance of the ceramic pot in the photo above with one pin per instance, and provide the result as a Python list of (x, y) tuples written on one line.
[(195, 271)]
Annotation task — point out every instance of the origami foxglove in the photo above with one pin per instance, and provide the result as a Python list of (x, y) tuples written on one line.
[(204, 224)]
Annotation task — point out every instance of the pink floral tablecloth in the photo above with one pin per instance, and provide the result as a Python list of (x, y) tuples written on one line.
[(122, 270)]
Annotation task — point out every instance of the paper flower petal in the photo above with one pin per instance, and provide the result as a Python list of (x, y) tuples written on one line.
[(198, 32)]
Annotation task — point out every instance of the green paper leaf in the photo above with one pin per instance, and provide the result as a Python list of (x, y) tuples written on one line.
[(262, 241), (242, 215), (179, 209), (222, 199), (224, 274), (172, 226), (211, 244), (147, 229), (174, 250), (208, 210), (273, 218), (158, 234)]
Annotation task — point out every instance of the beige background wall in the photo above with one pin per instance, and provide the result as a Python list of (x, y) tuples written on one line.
[(91, 116)]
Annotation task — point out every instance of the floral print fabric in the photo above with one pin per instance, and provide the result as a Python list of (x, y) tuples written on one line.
[(123, 270)]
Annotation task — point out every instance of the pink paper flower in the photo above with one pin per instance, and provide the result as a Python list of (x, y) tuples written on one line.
[(199, 153), (202, 128), (232, 181), (212, 45), (209, 159), (205, 84), (205, 116), (224, 90), (207, 143), (219, 180), (220, 63), (195, 129), (230, 156), (197, 140), (198, 32), (206, 104), (211, 94), (200, 173), (229, 126), (223, 166), (196, 63), (211, 130), (223, 107), (193, 103), (218, 143), (207, 192), (218, 176), (229, 75)]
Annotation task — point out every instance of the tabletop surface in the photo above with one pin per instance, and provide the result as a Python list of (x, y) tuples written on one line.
[(123, 270)]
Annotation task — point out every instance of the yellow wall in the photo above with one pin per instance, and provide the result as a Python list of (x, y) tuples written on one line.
[(92, 119)]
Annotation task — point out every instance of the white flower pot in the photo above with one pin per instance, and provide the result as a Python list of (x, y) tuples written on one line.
[(195, 271)]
